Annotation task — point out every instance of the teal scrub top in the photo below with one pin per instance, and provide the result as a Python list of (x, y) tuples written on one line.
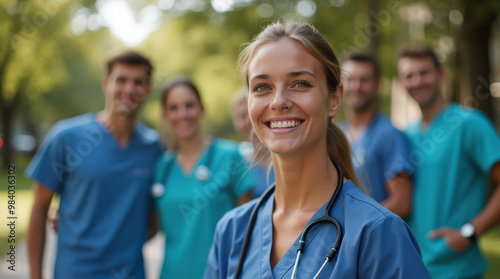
[(189, 207), (453, 159)]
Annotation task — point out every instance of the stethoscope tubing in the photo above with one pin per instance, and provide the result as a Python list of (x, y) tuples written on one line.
[(326, 218)]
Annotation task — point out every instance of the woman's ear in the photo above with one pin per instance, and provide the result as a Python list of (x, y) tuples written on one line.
[(335, 100)]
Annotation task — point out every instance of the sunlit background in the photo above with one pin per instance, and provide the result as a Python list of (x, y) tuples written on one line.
[(52, 57), (52, 53)]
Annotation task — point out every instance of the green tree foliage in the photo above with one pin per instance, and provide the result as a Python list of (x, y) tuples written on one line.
[(58, 71), (29, 60)]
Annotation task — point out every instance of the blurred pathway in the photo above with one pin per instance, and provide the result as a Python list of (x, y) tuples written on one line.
[(153, 257)]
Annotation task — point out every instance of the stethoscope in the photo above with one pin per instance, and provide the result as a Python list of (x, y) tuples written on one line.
[(302, 240), (202, 173)]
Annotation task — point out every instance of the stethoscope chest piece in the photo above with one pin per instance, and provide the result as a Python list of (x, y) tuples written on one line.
[(203, 173), (157, 190)]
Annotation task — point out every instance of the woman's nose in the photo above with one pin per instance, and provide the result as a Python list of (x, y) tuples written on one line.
[(281, 100)]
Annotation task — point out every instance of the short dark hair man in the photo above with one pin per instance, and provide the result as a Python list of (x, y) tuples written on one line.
[(101, 166), (455, 150), (380, 151)]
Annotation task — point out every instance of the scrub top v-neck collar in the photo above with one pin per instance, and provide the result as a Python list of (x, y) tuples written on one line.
[(436, 119), (201, 158), (285, 265), (108, 133), (364, 139)]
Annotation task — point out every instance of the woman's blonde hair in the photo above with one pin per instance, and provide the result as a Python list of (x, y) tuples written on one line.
[(304, 33)]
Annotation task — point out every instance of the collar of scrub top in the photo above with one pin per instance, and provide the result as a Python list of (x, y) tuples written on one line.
[(326, 218), (202, 173), (358, 147)]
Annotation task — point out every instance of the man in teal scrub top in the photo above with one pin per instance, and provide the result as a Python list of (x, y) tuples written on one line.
[(455, 150)]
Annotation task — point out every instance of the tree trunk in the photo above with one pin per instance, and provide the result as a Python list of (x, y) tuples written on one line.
[(7, 109), (476, 32), (6, 136), (375, 25)]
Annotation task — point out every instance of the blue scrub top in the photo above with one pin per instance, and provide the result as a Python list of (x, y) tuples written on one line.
[(454, 157), (379, 155), (263, 175), (376, 243), (105, 202)]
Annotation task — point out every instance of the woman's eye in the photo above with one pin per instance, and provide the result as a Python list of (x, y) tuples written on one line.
[(261, 88), (302, 84), (172, 108)]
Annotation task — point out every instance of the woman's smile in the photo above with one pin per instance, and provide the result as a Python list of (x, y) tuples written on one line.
[(289, 102)]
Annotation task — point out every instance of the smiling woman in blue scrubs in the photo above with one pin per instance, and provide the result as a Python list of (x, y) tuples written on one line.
[(294, 91), (198, 180)]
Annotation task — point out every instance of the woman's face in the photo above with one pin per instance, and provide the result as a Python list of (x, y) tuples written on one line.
[(183, 111), (289, 103)]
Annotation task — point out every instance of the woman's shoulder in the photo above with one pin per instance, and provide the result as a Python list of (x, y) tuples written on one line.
[(165, 157), (365, 211), (236, 220), (225, 145), (226, 149)]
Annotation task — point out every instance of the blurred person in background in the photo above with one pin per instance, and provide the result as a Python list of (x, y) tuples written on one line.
[(101, 165), (455, 150), (380, 151), (261, 170), (198, 180)]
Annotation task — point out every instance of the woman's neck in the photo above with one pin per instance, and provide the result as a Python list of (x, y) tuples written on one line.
[(190, 150), (192, 146), (305, 180)]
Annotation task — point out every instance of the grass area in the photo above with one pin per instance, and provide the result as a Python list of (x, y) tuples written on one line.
[(23, 199), (22, 182), (490, 245), (24, 202)]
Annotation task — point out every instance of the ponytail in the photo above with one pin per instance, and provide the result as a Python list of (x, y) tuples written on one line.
[(340, 153)]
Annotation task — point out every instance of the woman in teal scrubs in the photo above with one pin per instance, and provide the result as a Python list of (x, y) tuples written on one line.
[(294, 91), (198, 180)]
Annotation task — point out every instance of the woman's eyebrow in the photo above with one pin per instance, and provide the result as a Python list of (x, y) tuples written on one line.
[(263, 76), (300, 73), (291, 74)]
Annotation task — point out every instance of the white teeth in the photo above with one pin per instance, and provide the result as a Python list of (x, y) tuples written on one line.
[(284, 124)]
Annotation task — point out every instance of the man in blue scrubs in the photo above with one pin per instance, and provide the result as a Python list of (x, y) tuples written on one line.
[(380, 151), (455, 150), (101, 166)]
